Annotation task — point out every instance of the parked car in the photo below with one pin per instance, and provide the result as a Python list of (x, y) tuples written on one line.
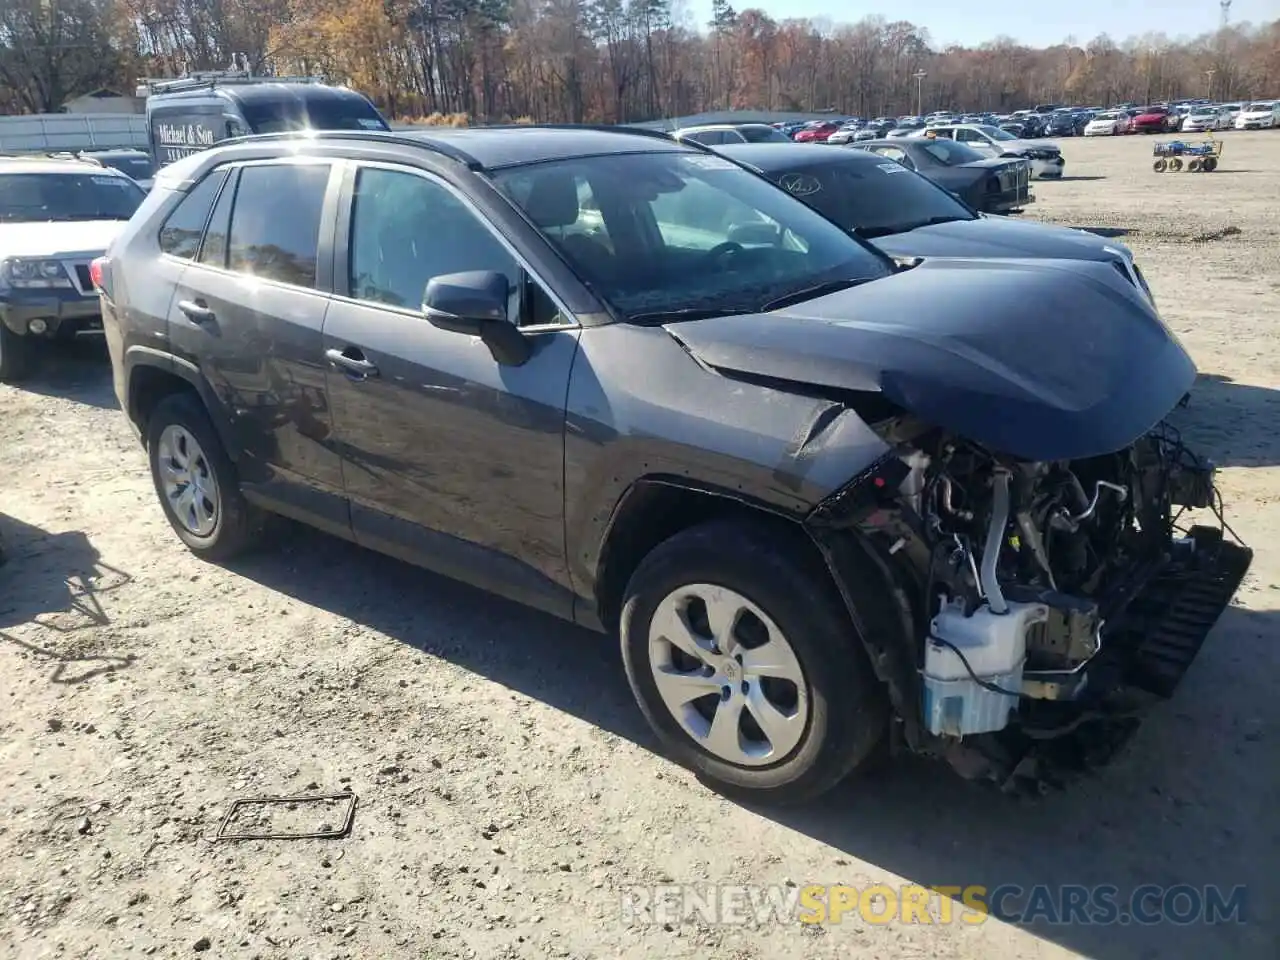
[(1109, 124), (1233, 109), (188, 114), (908, 216), (1205, 118), (1259, 115), (717, 133), (989, 184), (136, 164), (846, 132), (815, 132), (1046, 157), (1060, 124), (1150, 120), (632, 383), (55, 217)]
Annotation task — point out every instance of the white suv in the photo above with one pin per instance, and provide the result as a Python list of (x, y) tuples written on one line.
[(56, 216)]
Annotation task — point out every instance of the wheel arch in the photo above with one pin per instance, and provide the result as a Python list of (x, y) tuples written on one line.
[(654, 509), (154, 375)]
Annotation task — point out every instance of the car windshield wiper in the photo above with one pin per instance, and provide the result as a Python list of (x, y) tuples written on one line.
[(684, 313), (810, 293)]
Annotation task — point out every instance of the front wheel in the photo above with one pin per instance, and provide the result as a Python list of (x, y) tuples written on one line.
[(197, 482), (1159, 165), (15, 356), (744, 661)]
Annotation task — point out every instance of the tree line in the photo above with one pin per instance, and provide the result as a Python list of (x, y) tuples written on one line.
[(602, 60)]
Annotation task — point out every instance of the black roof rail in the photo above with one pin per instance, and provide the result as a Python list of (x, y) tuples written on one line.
[(366, 136)]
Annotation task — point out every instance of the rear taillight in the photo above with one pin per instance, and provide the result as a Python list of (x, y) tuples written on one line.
[(96, 269)]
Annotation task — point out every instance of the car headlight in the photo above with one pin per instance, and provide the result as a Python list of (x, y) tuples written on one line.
[(32, 273)]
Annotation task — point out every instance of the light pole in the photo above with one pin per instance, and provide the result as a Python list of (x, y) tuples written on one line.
[(1209, 87), (919, 75)]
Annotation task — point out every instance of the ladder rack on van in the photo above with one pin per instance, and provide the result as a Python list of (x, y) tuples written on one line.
[(210, 78)]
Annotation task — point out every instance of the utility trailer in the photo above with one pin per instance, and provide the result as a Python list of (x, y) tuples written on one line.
[(1177, 155)]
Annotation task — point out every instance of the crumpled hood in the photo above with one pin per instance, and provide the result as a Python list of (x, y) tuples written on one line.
[(996, 237), (1039, 359), (58, 238)]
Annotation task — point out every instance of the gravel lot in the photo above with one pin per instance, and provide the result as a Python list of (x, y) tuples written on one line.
[(507, 787)]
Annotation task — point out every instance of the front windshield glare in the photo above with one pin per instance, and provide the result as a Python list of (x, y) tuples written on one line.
[(37, 197), (657, 233)]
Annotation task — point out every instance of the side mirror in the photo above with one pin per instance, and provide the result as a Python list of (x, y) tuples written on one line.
[(475, 304)]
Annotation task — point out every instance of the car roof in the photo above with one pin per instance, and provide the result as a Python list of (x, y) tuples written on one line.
[(59, 165), (793, 156), (488, 148), (256, 92)]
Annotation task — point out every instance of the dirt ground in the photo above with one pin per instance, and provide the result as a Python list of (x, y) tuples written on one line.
[(508, 790)]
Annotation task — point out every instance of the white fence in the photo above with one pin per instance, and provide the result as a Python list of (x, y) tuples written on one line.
[(51, 132)]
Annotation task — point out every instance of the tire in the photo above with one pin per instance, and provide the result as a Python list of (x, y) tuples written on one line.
[(1210, 164), (1160, 165), (233, 524), (844, 706), (1193, 165), (16, 356), (1175, 164)]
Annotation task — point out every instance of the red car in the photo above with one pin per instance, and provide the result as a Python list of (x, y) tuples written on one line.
[(816, 134), (1150, 120)]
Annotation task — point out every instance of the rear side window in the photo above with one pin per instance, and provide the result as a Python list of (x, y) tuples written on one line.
[(214, 250), (275, 223), (180, 235)]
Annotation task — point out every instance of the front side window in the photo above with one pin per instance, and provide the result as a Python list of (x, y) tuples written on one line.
[(407, 229), (687, 233), (180, 235), (275, 222), (60, 197), (951, 154)]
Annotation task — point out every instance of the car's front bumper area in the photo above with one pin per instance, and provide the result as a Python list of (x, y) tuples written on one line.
[(1155, 627), (61, 313), (1047, 168)]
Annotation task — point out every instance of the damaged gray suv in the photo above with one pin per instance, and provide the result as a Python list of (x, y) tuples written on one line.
[(828, 502)]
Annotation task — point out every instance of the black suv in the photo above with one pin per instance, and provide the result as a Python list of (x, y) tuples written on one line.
[(634, 384)]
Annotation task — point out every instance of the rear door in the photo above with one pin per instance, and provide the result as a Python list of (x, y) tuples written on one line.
[(248, 312)]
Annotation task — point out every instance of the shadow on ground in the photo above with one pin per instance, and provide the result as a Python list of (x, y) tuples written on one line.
[(79, 370), (55, 581), (1076, 179), (1187, 803), (1233, 424)]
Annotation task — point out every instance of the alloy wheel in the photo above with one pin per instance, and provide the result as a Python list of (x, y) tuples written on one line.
[(190, 487), (728, 675)]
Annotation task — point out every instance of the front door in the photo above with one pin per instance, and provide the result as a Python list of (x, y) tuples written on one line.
[(451, 460), (248, 312)]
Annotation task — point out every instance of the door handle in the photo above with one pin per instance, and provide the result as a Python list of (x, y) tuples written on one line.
[(356, 365), (196, 310)]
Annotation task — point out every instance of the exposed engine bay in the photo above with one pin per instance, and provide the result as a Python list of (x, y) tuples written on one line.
[(1048, 602)]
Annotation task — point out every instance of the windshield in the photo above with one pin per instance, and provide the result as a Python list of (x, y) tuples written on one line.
[(38, 197), (664, 233), (949, 153), (763, 134), (873, 199), (1261, 106), (137, 167), (995, 133), (1204, 111), (313, 113), (1107, 116)]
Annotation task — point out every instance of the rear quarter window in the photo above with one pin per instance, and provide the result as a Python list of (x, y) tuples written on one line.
[(180, 235)]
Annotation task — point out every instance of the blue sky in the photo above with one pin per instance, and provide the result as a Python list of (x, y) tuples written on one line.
[(1035, 23)]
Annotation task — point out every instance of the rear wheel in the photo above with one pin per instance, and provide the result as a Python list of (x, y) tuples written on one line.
[(1193, 165), (16, 358), (197, 482), (1210, 164), (743, 659)]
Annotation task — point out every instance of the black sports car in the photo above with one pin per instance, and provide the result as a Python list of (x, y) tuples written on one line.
[(989, 184), (906, 216)]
